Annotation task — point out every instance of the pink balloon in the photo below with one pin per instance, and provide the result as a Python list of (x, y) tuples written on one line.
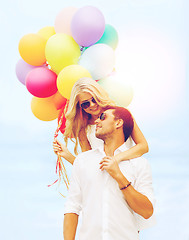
[(63, 20), (22, 69), (41, 82), (87, 26)]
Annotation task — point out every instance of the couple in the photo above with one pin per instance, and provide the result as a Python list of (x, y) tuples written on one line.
[(114, 195)]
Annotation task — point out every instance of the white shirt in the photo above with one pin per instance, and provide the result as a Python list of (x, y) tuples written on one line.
[(105, 213), (96, 143)]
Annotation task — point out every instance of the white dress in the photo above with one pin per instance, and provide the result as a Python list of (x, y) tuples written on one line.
[(95, 143)]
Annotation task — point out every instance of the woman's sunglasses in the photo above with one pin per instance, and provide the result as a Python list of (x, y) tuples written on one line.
[(87, 104), (102, 116)]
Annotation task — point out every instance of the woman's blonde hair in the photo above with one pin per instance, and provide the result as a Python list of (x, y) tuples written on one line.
[(76, 118)]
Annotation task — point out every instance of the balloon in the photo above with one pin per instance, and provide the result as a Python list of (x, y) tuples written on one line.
[(32, 49), (22, 69), (41, 82), (68, 76), (63, 125), (58, 100), (44, 109), (63, 20), (46, 32), (99, 60), (87, 26), (110, 36), (119, 91), (61, 51)]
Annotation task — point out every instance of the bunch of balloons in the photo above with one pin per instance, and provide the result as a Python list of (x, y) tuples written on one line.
[(80, 44)]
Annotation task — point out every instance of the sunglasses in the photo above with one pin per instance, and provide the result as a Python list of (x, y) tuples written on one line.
[(102, 116), (87, 104)]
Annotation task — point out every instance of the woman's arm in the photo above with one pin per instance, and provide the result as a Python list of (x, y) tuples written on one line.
[(138, 150), (61, 150)]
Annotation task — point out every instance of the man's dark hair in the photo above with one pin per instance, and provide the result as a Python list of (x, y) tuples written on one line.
[(125, 115)]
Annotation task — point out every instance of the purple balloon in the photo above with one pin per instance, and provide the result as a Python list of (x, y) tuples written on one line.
[(87, 26), (22, 69)]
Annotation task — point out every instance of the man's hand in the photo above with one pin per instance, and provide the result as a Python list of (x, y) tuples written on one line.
[(111, 166)]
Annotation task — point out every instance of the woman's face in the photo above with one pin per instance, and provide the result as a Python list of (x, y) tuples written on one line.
[(89, 104)]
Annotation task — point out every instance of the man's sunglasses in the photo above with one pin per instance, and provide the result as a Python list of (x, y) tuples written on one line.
[(87, 104), (102, 116)]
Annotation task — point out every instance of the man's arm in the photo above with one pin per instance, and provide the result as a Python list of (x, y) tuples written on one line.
[(138, 202), (70, 226), (73, 203)]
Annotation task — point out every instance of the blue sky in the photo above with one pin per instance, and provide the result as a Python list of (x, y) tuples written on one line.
[(152, 55)]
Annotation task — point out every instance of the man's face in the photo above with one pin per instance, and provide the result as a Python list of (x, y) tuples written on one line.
[(105, 124)]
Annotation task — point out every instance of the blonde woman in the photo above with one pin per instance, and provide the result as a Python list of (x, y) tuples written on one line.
[(87, 101)]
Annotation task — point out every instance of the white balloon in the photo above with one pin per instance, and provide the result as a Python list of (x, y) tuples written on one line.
[(119, 90), (99, 60)]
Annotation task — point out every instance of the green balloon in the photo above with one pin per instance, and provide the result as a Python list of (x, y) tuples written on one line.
[(110, 36)]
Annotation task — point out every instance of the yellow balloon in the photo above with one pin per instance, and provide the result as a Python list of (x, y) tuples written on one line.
[(61, 51), (32, 49), (67, 78), (44, 109), (47, 32), (119, 90)]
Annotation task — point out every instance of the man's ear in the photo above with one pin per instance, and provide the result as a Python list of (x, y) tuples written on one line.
[(119, 123)]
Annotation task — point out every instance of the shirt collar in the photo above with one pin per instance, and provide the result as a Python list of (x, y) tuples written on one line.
[(121, 148)]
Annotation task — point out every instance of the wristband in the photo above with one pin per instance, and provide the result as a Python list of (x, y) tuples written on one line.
[(125, 186)]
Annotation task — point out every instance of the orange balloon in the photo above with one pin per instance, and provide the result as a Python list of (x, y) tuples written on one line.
[(46, 32), (44, 108), (58, 100), (32, 49)]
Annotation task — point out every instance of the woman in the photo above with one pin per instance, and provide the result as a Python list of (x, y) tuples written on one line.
[(87, 101)]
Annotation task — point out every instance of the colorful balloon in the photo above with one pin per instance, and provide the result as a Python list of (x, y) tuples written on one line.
[(32, 49), (61, 51), (68, 76), (44, 109), (110, 36), (63, 20), (58, 100), (63, 125), (119, 90), (87, 26), (99, 60), (22, 69), (47, 32), (41, 82)]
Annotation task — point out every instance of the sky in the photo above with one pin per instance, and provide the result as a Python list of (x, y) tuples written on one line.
[(152, 56)]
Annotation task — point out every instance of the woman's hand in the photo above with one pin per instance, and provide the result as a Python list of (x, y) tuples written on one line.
[(62, 151)]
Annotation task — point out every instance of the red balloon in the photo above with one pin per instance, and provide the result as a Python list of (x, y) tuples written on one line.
[(59, 101), (41, 82), (63, 125)]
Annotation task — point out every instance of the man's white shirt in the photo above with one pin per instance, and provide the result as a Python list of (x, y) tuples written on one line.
[(105, 212)]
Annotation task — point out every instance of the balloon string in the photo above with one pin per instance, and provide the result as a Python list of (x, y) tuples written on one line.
[(60, 168)]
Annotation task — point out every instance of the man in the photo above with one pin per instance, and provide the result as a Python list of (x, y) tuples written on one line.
[(109, 195)]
